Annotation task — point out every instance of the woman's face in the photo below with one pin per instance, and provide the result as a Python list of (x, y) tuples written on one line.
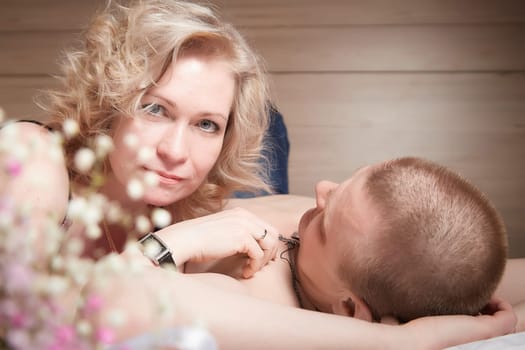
[(182, 129)]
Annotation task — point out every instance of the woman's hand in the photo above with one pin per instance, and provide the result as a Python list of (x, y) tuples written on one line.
[(439, 332), (227, 233)]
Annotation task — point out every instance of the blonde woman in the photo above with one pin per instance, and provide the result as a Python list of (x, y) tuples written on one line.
[(183, 100)]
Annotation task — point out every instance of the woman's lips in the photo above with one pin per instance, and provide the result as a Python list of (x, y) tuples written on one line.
[(167, 178)]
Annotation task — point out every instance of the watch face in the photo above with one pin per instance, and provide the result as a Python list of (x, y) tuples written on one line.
[(157, 251), (152, 247)]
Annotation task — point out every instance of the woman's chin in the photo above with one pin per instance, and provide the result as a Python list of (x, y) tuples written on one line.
[(156, 200)]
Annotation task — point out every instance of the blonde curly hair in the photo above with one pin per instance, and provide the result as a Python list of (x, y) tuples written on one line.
[(125, 50)]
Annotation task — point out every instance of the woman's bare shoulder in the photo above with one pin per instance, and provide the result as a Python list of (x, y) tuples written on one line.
[(35, 172)]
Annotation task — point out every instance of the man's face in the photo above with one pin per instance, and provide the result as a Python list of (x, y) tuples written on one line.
[(332, 231)]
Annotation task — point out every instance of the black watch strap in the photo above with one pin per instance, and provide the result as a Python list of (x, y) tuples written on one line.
[(161, 255)]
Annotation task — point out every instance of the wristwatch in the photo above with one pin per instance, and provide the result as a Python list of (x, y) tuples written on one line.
[(161, 255)]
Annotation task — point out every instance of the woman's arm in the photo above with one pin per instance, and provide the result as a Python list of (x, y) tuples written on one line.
[(197, 243), (230, 232), (243, 322)]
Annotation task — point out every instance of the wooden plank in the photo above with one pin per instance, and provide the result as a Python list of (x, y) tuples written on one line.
[(49, 15), (17, 96), (351, 12), (38, 15), (392, 48), (372, 49), (32, 53), (474, 123), (517, 246)]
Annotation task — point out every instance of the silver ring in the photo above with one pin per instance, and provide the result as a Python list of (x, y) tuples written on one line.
[(264, 235)]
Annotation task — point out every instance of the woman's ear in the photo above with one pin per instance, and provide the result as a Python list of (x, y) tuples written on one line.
[(353, 306)]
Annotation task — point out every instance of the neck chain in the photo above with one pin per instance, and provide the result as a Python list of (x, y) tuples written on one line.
[(291, 244), (111, 243)]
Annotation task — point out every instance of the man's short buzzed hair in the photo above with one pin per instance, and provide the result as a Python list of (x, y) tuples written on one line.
[(440, 249)]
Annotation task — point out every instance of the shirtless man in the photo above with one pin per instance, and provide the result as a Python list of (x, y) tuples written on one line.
[(439, 278)]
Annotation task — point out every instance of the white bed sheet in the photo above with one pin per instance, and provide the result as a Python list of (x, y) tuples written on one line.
[(515, 341)]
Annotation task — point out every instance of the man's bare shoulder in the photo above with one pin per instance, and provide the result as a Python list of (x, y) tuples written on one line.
[(282, 211), (288, 203)]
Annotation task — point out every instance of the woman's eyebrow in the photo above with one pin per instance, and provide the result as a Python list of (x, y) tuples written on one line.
[(173, 106)]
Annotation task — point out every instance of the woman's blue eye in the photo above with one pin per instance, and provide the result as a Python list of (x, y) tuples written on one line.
[(154, 109), (208, 125)]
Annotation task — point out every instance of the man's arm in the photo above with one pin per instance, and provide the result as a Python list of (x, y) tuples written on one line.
[(512, 285)]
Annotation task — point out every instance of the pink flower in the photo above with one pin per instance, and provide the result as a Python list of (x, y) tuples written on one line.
[(19, 277), (14, 167), (65, 338), (93, 304), (105, 335), (19, 320), (64, 334)]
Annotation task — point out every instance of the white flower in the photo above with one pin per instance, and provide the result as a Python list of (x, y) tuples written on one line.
[(55, 150), (103, 145), (195, 337), (92, 214), (160, 217), (70, 127), (54, 235), (131, 140), (113, 263), (11, 130), (116, 318), (20, 152), (78, 270), (135, 189), (113, 212), (84, 327), (57, 263), (76, 207), (151, 179), (84, 159), (145, 154), (74, 246), (142, 224), (93, 231), (56, 285), (164, 304)]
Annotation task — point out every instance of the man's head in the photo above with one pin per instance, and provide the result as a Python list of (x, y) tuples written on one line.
[(406, 238)]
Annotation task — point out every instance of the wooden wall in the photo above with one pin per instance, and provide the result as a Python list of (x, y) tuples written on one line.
[(357, 81)]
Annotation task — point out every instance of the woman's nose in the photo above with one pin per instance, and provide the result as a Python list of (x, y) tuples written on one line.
[(174, 145), (322, 191)]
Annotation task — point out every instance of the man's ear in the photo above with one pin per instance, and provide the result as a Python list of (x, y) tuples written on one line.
[(353, 306)]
